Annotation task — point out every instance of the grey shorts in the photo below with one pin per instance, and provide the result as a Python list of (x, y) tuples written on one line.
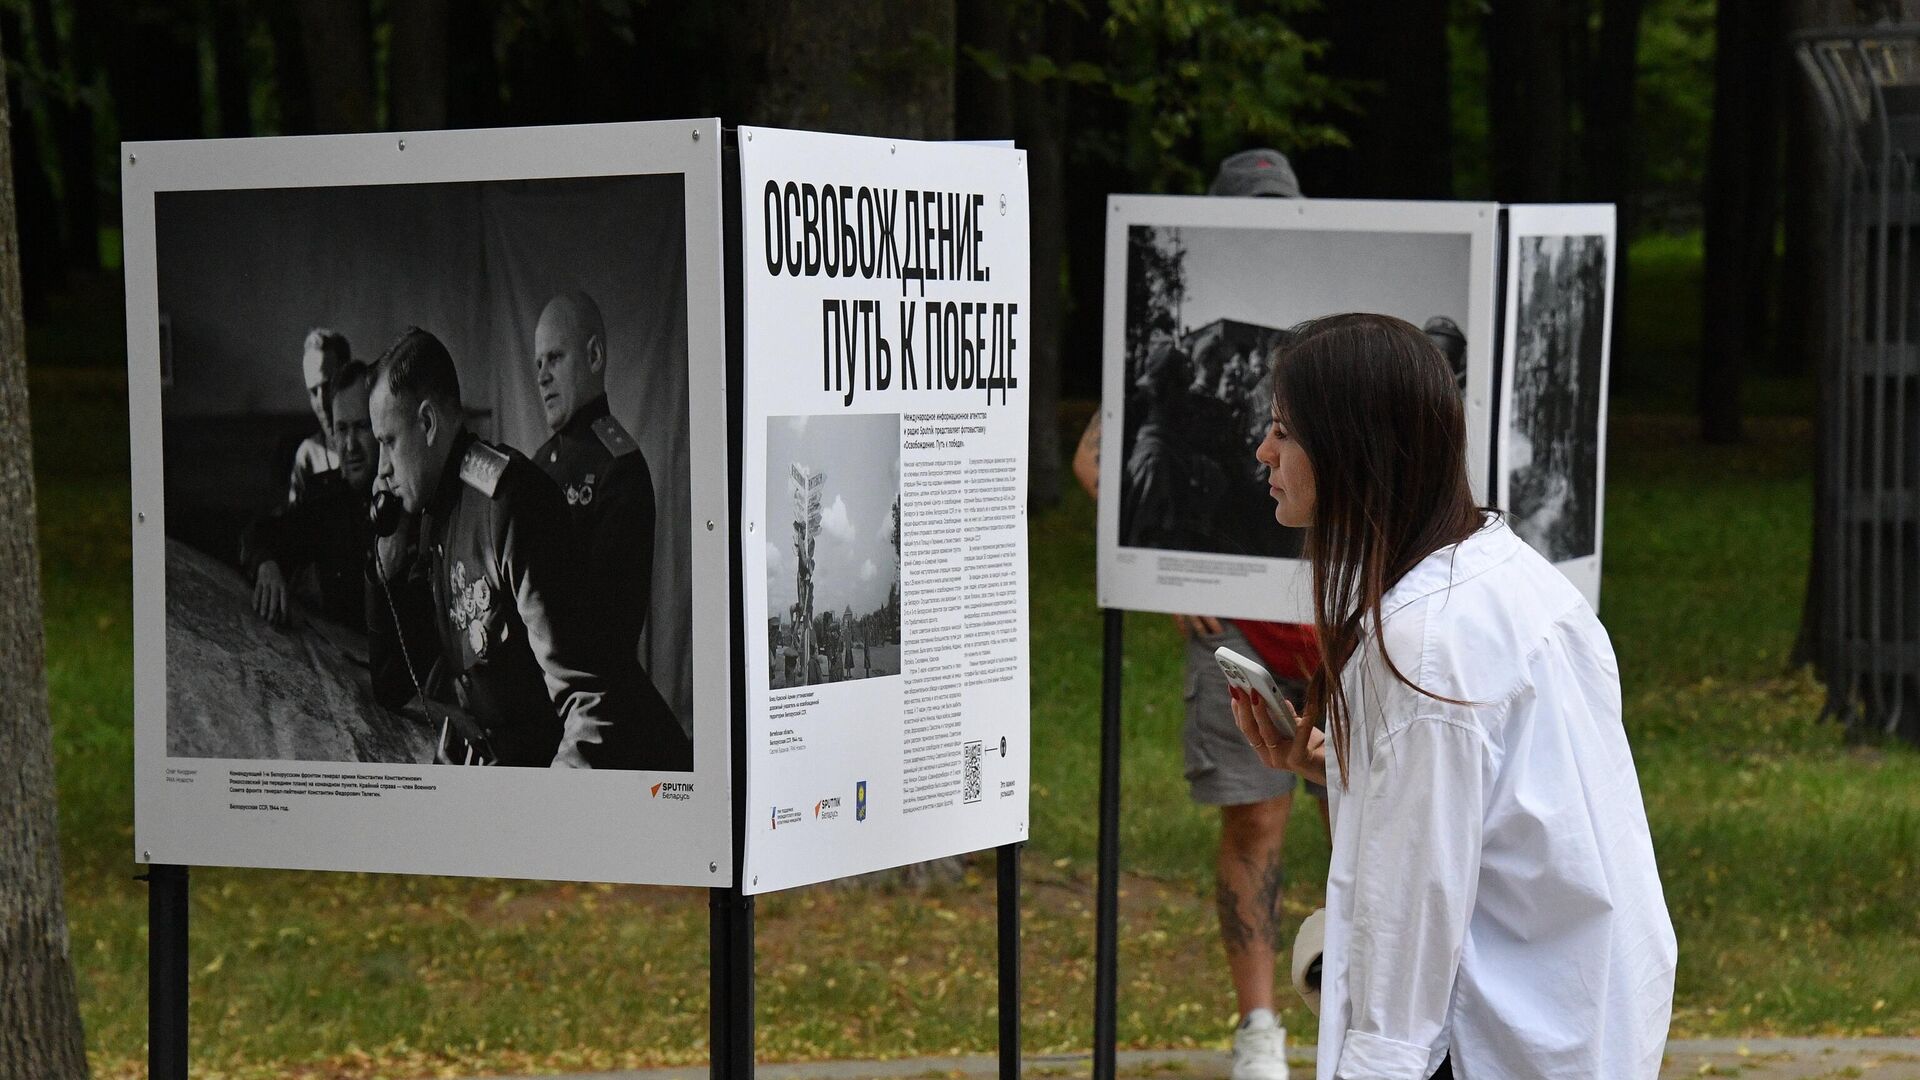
[(1222, 770)]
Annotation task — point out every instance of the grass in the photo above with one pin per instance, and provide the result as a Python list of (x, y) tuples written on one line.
[(1791, 861)]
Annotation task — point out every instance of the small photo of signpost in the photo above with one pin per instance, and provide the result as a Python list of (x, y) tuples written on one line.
[(833, 548)]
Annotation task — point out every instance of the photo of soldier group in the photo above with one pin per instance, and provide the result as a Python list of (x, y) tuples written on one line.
[(833, 548), (1205, 310), (1553, 441), (426, 473)]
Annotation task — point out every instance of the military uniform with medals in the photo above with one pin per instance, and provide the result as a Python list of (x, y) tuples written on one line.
[(515, 641), (601, 472)]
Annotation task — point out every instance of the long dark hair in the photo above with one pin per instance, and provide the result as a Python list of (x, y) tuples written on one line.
[(1372, 402)]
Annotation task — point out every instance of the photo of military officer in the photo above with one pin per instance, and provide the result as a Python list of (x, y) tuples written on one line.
[(318, 547), (595, 463), (328, 601), (602, 472), (322, 356), (514, 633)]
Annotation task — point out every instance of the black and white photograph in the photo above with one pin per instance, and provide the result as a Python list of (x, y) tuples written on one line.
[(1552, 453), (426, 475), (1205, 309), (833, 548)]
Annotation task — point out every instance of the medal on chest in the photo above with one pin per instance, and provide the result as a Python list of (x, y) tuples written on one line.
[(582, 494), (469, 604)]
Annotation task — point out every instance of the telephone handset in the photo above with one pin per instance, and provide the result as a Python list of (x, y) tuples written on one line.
[(386, 513)]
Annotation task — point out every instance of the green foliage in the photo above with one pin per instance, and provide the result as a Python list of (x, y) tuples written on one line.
[(1193, 81), (1674, 109), (1205, 78)]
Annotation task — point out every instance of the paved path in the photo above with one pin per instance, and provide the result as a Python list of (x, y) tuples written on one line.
[(1754, 1059)]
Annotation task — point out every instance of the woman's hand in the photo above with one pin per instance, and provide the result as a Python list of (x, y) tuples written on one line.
[(1305, 753), (1192, 626)]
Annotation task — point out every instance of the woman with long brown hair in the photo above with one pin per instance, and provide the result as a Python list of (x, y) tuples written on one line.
[(1493, 907)]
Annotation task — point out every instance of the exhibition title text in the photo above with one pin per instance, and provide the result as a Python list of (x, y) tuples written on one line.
[(916, 237)]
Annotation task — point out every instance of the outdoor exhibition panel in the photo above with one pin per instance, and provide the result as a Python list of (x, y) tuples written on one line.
[(269, 743), (1199, 292), (1558, 341), (883, 502)]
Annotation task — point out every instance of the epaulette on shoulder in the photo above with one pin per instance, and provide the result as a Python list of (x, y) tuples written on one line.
[(481, 468), (614, 437)]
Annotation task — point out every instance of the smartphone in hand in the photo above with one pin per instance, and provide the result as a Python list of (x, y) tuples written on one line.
[(1250, 676)]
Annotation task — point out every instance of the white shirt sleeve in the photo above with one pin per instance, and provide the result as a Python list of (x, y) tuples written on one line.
[(1415, 874)]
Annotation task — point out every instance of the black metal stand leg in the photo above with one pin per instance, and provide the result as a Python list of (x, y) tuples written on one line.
[(166, 972), (1106, 952), (730, 915), (1007, 896)]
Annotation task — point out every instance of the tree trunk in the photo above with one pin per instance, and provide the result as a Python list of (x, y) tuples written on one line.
[(1741, 205), (473, 94), (44, 269), (153, 71), (864, 67), (293, 89), (417, 66), (233, 84), (1612, 156), (1527, 99), (337, 38), (40, 1033), (1043, 133), (1402, 140), (73, 133)]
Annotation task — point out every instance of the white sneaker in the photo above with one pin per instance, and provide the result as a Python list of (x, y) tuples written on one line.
[(1259, 1051)]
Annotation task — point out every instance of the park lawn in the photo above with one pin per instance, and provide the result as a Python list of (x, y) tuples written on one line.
[(1791, 860)]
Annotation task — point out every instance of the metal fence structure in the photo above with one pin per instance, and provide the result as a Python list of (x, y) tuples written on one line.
[(1866, 582)]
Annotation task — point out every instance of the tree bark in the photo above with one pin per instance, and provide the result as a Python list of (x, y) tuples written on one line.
[(233, 84), (1741, 204), (74, 136), (1612, 156), (40, 1033), (293, 89), (1043, 133), (337, 39), (864, 67), (1527, 99), (41, 252), (153, 66), (473, 93), (1402, 140), (417, 66)]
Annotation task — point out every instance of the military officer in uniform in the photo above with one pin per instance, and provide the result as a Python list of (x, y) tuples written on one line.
[(326, 532), (609, 490), (514, 641)]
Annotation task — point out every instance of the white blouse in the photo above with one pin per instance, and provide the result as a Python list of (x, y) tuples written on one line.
[(1492, 891)]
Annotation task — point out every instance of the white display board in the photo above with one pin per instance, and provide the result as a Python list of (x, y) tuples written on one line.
[(267, 741), (1199, 290), (884, 531), (1558, 345)]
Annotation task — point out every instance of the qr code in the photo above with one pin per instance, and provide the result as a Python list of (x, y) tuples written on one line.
[(972, 790)]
